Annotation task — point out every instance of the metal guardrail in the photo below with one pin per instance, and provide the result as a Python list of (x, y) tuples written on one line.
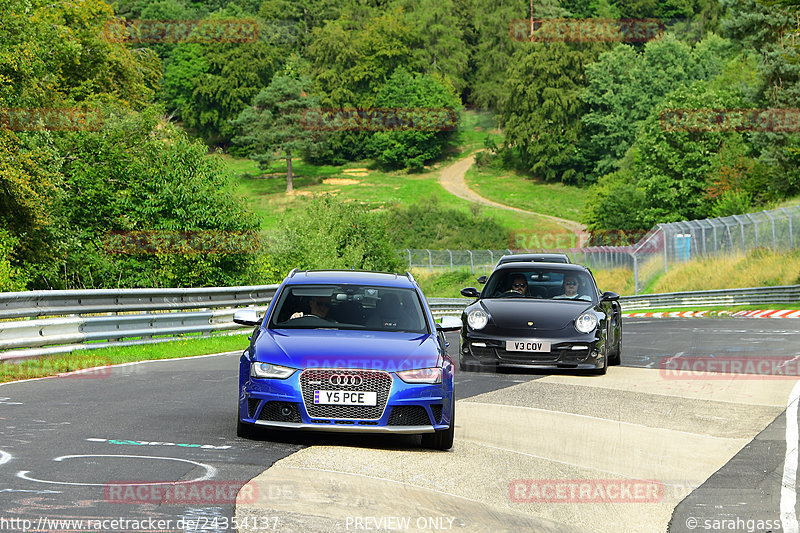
[(85, 319), (54, 303), (40, 323), (448, 306), (786, 294)]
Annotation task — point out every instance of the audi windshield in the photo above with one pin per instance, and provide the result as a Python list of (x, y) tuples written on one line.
[(349, 307)]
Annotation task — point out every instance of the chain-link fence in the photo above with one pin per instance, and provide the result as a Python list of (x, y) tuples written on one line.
[(778, 229), (663, 245), (482, 261)]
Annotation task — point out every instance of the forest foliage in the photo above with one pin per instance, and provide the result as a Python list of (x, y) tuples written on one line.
[(588, 114)]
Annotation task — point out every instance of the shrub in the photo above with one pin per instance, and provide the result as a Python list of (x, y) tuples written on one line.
[(330, 234), (11, 278), (428, 224)]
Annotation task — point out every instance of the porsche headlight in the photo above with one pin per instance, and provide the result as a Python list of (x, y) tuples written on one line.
[(477, 319), (268, 371), (586, 323)]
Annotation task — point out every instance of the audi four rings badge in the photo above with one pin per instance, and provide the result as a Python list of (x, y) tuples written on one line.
[(346, 380)]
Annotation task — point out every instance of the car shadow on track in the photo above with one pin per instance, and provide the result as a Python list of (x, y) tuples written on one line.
[(410, 443), (533, 373)]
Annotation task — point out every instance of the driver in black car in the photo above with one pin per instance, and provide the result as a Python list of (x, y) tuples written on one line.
[(519, 284), (319, 306)]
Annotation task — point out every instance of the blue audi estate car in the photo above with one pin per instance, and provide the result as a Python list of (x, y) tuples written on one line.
[(347, 351)]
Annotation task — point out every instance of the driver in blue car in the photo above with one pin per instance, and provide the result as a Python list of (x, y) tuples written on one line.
[(319, 307)]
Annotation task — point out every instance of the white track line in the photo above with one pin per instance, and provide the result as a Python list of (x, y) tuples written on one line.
[(5, 457), (789, 480), (210, 472)]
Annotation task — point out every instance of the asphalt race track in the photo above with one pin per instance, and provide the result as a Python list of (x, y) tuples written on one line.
[(640, 449)]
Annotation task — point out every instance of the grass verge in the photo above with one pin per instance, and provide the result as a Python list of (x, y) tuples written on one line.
[(267, 198), (758, 268), (58, 364), (446, 284), (523, 192), (265, 192)]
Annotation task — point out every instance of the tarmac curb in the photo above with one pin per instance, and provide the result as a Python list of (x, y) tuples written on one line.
[(758, 313)]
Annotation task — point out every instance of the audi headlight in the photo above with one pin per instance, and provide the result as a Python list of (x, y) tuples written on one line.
[(477, 319), (586, 323), (268, 371), (421, 375)]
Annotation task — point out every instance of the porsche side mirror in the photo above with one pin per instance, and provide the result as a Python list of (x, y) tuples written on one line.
[(482, 279), (609, 296), (246, 317), (470, 292)]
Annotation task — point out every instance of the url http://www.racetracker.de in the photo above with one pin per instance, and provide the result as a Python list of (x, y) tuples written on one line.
[(216, 523)]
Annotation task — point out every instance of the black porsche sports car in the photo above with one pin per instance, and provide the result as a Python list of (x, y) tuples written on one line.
[(541, 315)]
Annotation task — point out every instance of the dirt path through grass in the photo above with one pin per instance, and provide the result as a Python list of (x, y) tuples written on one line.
[(452, 179)]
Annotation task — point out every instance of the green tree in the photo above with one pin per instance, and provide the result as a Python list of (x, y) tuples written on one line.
[(672, 172), (493, 50), (11, 278), (616, 202), (290, 22), (351, 59), (274, 123), (438, 43), (624, 85), (414, 148), (51, 54), (541, 115), (182, 67), (235, 74), (55, 56), (770, 31), (144, 174)]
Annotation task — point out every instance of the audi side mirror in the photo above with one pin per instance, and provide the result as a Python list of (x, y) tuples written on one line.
[(246, 317), (482, 279), (610, 296), (449, 323)]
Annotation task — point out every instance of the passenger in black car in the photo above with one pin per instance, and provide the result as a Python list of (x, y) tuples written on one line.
[(570, 286)]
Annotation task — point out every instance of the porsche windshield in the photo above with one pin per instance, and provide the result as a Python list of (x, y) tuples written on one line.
[(349, 307), (541, 284)]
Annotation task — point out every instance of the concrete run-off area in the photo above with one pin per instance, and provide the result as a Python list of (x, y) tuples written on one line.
[(560, 453)]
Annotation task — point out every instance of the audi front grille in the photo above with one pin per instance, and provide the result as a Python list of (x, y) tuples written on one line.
[(378, 381)]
